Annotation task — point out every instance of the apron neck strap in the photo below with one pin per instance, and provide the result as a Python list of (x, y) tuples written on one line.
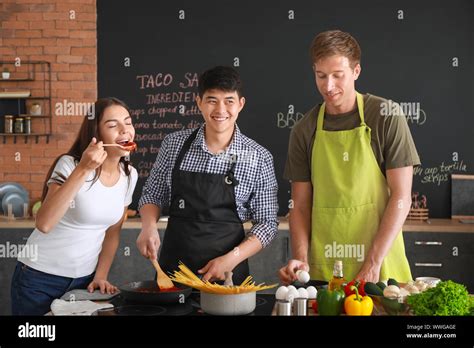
[(184, 149), (360, 106), (187, 145)]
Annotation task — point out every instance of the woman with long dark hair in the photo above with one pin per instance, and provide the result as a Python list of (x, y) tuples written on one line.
[(84, 203)]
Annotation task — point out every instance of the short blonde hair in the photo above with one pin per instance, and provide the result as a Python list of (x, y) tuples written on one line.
[(335, 42)]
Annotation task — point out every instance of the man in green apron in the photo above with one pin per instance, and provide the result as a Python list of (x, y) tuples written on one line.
[(350, 163)]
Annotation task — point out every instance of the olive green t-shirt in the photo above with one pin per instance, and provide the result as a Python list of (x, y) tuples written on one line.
[(391, 139)]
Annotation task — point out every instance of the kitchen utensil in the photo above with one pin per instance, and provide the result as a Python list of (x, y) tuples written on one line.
[(228, 304), (228, 279), (164, 282), (147, 292), (130, 146)]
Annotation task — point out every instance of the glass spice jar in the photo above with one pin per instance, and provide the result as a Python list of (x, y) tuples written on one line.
[(19, 125), (27, 127), (8, 124)]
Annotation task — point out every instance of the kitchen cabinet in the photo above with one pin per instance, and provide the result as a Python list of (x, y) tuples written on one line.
[(445, 255), (10, 240)]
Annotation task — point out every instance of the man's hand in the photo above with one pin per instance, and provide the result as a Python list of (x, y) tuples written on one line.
[(148, 243), (215, 269), (370, 272), (287, 273)]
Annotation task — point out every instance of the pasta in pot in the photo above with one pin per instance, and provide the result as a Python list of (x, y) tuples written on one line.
[(187, 277)]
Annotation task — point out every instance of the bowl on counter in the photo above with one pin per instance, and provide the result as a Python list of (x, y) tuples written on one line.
[(392, 306), (432, 281)]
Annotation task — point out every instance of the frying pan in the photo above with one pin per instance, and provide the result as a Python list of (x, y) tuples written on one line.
[(133, 292)]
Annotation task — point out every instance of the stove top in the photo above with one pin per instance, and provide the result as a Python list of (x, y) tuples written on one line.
[(122, 307)]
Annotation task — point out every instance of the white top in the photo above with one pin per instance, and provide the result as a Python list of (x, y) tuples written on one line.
[(72, 247)]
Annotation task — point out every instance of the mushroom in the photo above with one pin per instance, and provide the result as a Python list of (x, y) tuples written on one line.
[(391, 291)]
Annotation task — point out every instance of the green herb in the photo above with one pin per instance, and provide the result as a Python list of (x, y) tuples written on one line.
[(447, 298)]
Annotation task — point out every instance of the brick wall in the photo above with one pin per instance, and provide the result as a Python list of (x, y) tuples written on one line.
[(62, 32)]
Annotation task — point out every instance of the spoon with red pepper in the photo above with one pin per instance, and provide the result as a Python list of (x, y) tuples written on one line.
[(128, 146)]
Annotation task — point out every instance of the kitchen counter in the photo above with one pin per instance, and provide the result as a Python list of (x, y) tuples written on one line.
[(432, 225), (264, 307), (443, 248)]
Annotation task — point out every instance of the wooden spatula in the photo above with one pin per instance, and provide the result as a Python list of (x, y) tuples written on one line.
[(164, 282)]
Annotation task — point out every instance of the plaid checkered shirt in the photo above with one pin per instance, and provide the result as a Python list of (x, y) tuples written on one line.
[(256, 193)]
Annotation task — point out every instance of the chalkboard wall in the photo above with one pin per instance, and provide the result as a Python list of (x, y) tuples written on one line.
[(417, 53)]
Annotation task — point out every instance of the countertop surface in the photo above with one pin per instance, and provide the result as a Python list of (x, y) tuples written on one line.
[(432, 225)]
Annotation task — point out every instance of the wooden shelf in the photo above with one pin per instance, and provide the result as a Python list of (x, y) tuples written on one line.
[(18, 79), (26, 136), (35, 71), (30, 97), (33, 116)]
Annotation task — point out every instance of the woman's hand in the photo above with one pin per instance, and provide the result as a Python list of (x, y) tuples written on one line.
[(93, 156), (103, 285)]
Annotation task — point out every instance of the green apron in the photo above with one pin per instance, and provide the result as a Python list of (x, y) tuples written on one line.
[(350, 195)]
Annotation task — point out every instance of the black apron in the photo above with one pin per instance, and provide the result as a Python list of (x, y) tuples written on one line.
[(203, 221)]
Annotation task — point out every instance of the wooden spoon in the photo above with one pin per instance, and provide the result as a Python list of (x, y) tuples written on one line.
[(130, 146), (163, 281), (112, 145)]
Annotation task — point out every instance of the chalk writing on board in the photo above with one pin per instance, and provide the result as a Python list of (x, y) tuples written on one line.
[(168, 104), (439, 174), (288, 120)]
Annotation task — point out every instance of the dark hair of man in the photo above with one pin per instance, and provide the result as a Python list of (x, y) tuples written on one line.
[(223, 78)]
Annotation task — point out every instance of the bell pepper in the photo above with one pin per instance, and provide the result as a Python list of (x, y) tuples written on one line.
[(360, 284), (358, 305), (330, 302), (314, 305)]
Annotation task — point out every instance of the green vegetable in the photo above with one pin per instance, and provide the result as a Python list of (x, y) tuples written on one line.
[(447, 298), (373, 289), (381, 285), (392, 281), (330, 302)]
